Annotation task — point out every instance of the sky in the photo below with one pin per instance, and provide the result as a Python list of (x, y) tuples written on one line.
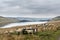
[(30, 8)]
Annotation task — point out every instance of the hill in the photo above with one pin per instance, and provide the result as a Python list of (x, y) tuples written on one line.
[(26, 19), (56, 18), (6, 20), (48, 31)]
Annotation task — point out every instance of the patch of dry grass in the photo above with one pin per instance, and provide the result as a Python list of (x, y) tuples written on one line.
[(51, 26)]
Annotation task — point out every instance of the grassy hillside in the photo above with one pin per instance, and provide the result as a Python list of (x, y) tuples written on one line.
[(48, 31), (5, 20), (56, 18)]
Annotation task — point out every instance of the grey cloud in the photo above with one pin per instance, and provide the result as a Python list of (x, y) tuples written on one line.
[(31, 7)]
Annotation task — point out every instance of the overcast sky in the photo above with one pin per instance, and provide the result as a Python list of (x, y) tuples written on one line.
[(30, 8)]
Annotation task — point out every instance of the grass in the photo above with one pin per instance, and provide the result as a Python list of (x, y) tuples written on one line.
[(42, 34), (38, 36)]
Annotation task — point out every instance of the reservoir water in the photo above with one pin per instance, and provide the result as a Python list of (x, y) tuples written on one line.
[(21, 24)]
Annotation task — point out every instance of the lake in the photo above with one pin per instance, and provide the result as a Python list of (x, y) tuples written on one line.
[(21, 24)]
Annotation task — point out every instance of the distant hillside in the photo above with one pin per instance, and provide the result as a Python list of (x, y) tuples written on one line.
[(56, 18), (26, 19), (6, 20)]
